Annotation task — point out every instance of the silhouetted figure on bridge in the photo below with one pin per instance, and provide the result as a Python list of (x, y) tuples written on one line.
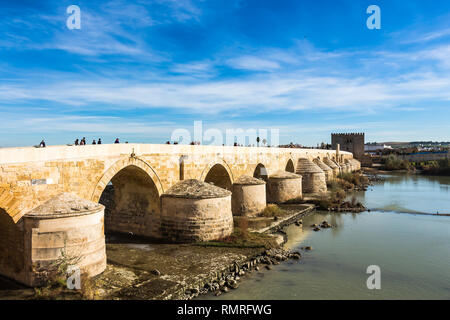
[(77, 142), (94, 142), (42, 144), (117, 140), (99, 141)]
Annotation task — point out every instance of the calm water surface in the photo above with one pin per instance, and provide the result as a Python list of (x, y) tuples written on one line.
[(412, 250)]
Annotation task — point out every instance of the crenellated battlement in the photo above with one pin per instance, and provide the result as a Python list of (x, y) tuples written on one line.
[(348, 134)]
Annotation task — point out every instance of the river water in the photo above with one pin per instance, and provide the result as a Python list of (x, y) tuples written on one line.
[(411, 249)]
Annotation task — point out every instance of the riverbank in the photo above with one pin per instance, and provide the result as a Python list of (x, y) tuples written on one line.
[(439, 168), (171, 271), (140, 270)]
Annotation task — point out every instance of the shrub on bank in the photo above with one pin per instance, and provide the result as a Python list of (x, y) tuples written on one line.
[(336, 200), (339, 183), (441, 167), (355, 179), (392, 162), (272, 210)]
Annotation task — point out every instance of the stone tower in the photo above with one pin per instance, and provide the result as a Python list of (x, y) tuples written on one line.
[(351, 142)]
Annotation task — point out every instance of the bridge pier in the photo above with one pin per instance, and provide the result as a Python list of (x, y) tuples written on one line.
[(314, 181), (284, 186), (332, 165), (194, 211), (356, 164), (346, 168), (326, 169), (65, 231), (249, 196)]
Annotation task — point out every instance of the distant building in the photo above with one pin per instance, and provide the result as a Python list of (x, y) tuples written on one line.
[(351, 142), (354, 143), (425, 156), (376, 147)]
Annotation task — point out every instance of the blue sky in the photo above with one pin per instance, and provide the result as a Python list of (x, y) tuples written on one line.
[(140, 69)]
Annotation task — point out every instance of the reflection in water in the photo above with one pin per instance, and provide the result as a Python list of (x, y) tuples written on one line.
[(413, 251)]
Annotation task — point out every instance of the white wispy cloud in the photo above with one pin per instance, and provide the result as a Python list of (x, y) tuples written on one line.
[(253, 63), (195, 68), (289, 91)]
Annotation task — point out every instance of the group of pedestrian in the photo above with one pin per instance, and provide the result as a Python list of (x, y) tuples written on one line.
[(79, 142), (82, 142)]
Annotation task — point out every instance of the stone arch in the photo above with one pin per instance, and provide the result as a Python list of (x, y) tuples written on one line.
[(130, 191), (118, 166), (261, 172), (10, 204), (290, 166), (218, 173)]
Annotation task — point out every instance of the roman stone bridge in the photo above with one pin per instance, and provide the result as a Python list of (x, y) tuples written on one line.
[(136, 174), (30, 176)]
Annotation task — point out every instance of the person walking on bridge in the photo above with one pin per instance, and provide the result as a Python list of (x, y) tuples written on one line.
[(42, 144), (99, 141), (117, 140), (77, 142)]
